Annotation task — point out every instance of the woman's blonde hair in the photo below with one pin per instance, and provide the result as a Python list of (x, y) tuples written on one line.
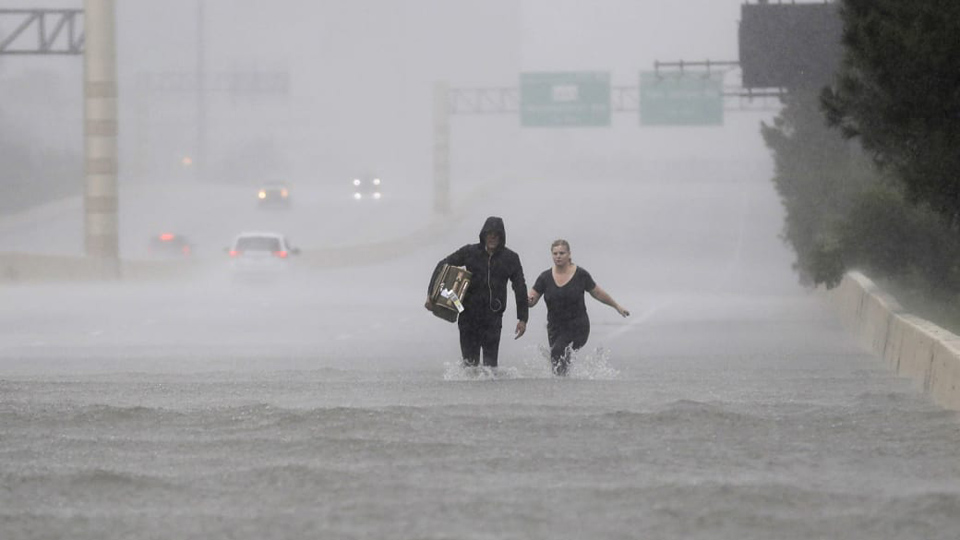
[(560, 242)]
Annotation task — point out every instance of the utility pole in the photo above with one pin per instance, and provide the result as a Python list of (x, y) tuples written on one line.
[(199, 160)]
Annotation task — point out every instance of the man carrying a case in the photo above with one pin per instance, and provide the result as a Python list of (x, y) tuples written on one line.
[(491, 264)]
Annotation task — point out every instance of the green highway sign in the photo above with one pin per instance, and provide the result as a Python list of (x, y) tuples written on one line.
[(681, 99), (565, 99)]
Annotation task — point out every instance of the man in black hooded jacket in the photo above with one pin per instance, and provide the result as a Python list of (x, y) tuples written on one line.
[(492, 264)]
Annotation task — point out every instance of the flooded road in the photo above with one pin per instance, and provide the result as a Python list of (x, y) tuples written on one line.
[(730, 405)]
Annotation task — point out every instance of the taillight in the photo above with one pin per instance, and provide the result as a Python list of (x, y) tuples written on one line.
[(186, 250), (234, 253), (281, 254), (166, 237)]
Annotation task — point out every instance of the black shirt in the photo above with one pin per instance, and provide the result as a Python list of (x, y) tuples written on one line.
[(565, 304), (486, 297)]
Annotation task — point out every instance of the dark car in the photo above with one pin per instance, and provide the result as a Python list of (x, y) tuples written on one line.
[(274, 195), (170, 245)]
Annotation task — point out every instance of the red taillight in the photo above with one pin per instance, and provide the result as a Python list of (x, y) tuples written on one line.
[(234, 253), (186, 250), (281, 254), (166, 237)]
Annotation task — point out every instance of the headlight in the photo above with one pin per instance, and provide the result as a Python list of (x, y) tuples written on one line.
[(376, 195), (357, 196), (376, 181), (262, 194), (356, 181)]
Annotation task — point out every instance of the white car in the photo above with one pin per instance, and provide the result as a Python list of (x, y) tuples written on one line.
[(260, 254)]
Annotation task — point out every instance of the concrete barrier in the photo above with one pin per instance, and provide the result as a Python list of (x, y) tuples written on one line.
[(945, 373), (40, 268), (29, 267), (913, 347)]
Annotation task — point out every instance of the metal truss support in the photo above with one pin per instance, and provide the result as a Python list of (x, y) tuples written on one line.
[(64, 37), (755, 99), (507, 100), (759, 93), (464, 101), (707, 65), (745, 97)]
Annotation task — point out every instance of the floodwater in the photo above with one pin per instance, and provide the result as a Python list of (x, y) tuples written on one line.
[(731, 405), (792, 442)]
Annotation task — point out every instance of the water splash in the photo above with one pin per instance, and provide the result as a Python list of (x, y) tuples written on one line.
[(535, 364), (584, 364), (457, 371), (593, 365)]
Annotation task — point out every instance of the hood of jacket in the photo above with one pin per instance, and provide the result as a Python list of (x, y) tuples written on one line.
[(494, 224)]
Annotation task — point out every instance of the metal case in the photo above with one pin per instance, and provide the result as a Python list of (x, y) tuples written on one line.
[(448, 291)]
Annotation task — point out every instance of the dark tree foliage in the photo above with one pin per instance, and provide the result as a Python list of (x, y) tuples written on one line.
[(842, 212), (898, 91), (818, 176), (910, 245), (881, 192)]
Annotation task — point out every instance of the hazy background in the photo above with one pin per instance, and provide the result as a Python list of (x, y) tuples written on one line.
[(360, 76), (692, 207), (652, 211)]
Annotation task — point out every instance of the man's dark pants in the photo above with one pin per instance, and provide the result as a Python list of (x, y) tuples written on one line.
[(480, 335)]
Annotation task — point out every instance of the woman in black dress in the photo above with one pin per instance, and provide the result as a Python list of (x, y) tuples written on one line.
[(568, 325)]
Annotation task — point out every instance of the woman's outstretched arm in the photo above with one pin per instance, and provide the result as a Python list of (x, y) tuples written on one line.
[(602, 296)]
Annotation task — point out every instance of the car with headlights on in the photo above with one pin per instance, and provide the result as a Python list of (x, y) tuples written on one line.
[(367, 188), (276, 195)]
